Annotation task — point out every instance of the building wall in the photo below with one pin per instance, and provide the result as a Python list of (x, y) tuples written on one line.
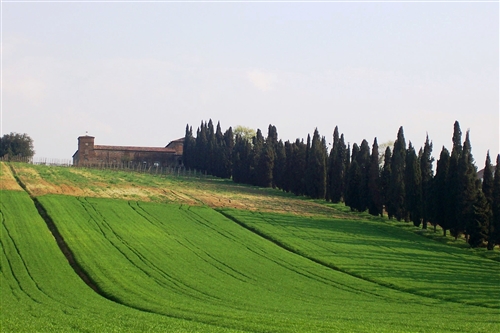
[(89, 153)]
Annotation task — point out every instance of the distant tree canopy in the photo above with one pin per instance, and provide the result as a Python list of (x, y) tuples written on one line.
[(243, 132), (391, 178), (15, 144)]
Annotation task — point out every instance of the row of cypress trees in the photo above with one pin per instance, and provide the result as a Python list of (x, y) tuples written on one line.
[(401, 183)]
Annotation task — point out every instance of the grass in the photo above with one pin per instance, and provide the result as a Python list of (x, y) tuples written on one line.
[(194, 263), (381, 253), (41, 293), (181, 257)]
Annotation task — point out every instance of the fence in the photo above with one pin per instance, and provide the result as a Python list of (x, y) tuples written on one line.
[(125, 166), (38, 160)]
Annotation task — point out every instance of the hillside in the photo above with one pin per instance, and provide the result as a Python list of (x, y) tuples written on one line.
[(186, 254)]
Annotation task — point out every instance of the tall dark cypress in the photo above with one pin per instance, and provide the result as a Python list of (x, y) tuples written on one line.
[(413, 187), (227, 160), (426, 161), (467, 176), (363, 159), (258, 145), (487, 188), (316, 168), (241, 160), (441, 198), (202, 148), (478, 225), (487, 185), (453, 181), (289, 167), (338, 168), (397, 186), (353, 180), (280, 166), (330, 173), (495, 205), (385, 182), (374, 188), (299, 167), (188, 153)]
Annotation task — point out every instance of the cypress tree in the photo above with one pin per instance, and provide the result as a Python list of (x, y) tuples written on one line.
[(353, 180), (289, 167), (338, 170), (280, 166), (441, 199), (385, 181), (227, 159), (487, 185), (299, 167), (265, 166), (188, 152), (467, 176), (413, 186), (374, 188), (487, 188), (258, 145), (426, 161), (330, 174), (478, 226), (316, 168), (241, 160), (453, 181), (494, 237), (363, 159), (202, 148), (397, 185)]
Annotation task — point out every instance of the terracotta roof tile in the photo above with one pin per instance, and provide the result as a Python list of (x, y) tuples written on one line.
[(138, 149)]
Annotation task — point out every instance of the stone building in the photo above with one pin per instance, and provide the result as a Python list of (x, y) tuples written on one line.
[(89, 153)]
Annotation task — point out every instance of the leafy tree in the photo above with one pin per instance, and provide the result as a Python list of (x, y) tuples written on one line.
[(426, 161), (245, 133), (375, 199), (397, 185), (15, 144)]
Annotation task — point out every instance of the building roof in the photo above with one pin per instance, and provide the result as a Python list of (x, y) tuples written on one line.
[(136, 149)]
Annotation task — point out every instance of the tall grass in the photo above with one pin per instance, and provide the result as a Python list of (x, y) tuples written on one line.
[(193, 263)]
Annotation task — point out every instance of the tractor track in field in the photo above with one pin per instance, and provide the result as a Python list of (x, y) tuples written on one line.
[(331, 266), (63, 246)]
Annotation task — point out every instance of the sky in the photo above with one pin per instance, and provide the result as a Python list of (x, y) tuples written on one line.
[(136, 73)]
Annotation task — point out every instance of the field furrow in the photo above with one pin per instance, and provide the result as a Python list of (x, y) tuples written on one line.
[(235, 278)]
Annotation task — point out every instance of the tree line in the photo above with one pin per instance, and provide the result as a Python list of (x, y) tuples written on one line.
[(401, 184)]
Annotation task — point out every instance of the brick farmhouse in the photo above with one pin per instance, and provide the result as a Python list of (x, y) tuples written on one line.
[(89, 153)]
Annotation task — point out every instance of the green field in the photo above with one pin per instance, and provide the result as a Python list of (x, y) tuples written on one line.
[(174, 267)]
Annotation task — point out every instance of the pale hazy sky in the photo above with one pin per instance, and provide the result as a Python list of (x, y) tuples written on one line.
[(135, 73)]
